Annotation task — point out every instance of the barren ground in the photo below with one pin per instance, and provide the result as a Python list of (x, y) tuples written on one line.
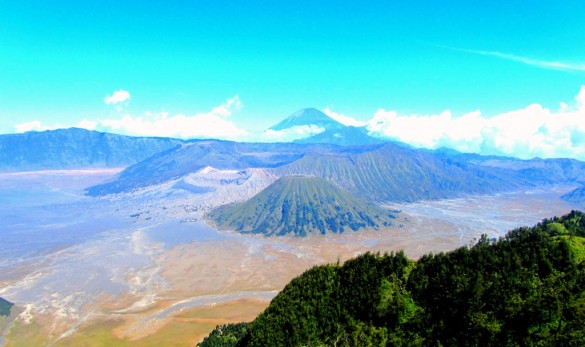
[(136, 270)]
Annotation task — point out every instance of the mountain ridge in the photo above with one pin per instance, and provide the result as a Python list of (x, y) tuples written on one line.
[(76, 148), (389, 172), (384, 172), (196, 155)]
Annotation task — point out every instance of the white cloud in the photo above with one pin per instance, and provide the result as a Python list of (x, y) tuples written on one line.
[(226, 109), (292, 133), (87, 124), (37, 125), (554, 65), (343, 119), (525, 133), (34, 125), (117, 97), (580, 98), (213, 124)]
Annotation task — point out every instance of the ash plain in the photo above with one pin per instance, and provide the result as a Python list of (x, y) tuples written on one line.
[(68, 260)]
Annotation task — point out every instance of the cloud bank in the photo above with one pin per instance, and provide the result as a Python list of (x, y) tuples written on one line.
[(212, 124), (533, 131), (291, 134), (37, 125)]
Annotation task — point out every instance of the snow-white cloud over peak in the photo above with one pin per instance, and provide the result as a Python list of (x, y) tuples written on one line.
[(343, 119)]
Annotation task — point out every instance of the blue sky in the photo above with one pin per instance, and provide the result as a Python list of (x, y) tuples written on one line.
[(59, 60)]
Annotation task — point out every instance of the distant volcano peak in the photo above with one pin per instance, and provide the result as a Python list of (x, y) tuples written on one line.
[(331, 132), (308, 116), (309, 112)]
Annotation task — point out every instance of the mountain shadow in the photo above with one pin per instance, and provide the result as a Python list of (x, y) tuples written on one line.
[(5, 307)]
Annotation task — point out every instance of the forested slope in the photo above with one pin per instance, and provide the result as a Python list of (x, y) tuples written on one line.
[(526, 288)]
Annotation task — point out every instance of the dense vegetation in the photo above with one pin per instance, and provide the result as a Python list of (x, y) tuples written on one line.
[(301, 205), (225, 335), (527, 288), (5, 307)]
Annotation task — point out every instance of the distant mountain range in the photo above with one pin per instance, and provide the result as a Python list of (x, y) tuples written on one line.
[(76, 148), (79, 148), (380, 172), (301, 205), (537, 170), (391, 172), (195, 155), (384, 172), (345, 162)]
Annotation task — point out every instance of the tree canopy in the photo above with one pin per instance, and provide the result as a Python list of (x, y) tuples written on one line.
[(526, 288)]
